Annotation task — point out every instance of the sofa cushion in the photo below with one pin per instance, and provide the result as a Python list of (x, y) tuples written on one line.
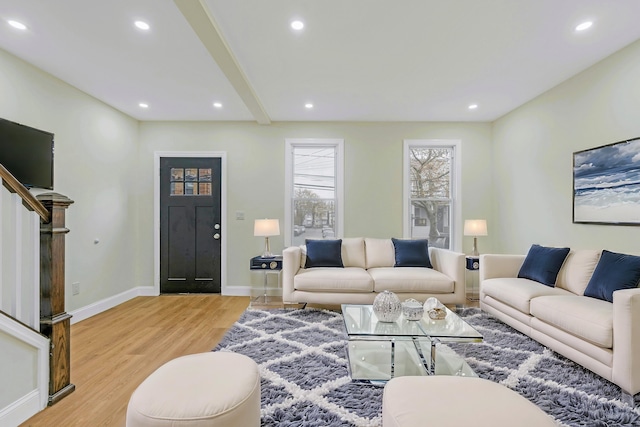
[(411, 253), (348, 279), (577, 270), (587, 318), (379, 252), (323, 253), (542, 264), (614, 272), (353, 252), (518, 292), (411, 279)]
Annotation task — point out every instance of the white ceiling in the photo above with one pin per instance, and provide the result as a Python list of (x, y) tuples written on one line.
[(355, 60)]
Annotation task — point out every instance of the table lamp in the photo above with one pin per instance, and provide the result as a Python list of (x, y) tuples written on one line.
[(265, 228), (475, 228)]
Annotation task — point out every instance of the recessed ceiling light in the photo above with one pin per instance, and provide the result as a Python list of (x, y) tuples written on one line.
[(297, 25), (473, 106), (217, 104), (584, 26), (308, 105), (143, 105), (142, 25), (16, 24)]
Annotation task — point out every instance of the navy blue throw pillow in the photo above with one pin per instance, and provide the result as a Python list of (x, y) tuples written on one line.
[(323, 253), (614, 271), (542, 264), (412, 253)]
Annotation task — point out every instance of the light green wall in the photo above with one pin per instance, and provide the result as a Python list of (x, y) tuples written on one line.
[(255, 176), (516, 172), (533, 156), (95, 155)]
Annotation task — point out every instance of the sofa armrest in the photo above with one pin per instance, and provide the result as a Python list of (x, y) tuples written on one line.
[(626, 339), (451, 264), (499, 265), (290, 265)]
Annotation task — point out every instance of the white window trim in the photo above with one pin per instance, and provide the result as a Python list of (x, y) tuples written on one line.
[(290, 143), (456, 237)]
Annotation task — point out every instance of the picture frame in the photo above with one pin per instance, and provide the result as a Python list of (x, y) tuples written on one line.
[(606, 184)]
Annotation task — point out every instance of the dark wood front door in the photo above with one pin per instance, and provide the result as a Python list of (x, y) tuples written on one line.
[(190, 228)]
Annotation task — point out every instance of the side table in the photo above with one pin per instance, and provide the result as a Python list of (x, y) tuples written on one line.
[(473, 265), (271, 265)]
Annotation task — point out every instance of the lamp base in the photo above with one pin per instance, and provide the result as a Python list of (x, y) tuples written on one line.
[(267, 249), (474, 251)]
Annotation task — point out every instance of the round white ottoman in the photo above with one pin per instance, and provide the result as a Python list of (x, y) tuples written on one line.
[(205, 389), (445, 401)]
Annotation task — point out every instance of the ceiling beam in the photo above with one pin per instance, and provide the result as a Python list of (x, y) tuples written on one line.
[(202, 22)]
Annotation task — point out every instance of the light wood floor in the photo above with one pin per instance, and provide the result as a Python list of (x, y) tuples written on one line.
[(114, 351)]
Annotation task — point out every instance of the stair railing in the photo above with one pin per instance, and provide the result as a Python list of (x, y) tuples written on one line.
[(44, 308)]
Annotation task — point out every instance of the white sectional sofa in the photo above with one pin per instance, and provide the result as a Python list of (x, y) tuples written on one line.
[(368, 268), (600, 335)]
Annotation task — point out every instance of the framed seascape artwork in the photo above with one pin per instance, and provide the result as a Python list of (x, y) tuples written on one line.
[(606, 184)]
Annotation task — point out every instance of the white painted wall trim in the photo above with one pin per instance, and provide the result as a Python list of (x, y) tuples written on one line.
[(107, 303), (35, 400), (21, 410), (225, 289)]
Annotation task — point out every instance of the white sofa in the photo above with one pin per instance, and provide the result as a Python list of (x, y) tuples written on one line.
[(368, 270), (603, 337)]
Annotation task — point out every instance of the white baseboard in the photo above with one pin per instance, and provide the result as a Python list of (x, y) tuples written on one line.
[(237, 291), (107, 303), (21, 410)]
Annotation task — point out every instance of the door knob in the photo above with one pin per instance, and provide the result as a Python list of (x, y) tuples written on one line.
[(217, 226), (216, 236)]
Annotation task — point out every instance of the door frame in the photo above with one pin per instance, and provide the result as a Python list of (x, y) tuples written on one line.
[(157, 155)]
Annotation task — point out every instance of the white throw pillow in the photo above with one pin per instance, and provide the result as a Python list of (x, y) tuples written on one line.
[(379, 252), (353, 252), (577, 270)]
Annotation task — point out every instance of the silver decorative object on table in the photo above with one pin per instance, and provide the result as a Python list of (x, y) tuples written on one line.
[(387, 306), (412, 309), (435, 309)]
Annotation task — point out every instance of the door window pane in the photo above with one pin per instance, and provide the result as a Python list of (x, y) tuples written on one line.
[(198, 182), (177, 174), (177, 188), (191, 174), (204, 188)]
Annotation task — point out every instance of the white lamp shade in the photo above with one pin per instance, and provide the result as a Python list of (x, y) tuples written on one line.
[(475, 227), (266, 227)]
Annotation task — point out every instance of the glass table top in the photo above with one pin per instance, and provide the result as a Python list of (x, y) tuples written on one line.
[(361, 321)]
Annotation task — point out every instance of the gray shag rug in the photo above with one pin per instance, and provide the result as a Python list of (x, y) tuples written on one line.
[(305, 379)]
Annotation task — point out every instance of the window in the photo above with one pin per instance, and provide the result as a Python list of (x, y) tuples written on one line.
[(190, 182), (313, 193), (431, 186)]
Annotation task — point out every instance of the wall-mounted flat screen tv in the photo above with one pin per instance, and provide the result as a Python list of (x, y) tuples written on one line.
[(27, 153)]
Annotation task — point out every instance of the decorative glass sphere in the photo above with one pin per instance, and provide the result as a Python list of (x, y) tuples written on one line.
[(387, 306)]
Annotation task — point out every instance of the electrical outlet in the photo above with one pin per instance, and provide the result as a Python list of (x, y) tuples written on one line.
[(75, 288)]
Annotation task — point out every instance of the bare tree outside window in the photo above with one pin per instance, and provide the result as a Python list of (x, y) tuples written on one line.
[(314, 193), (430, 180)]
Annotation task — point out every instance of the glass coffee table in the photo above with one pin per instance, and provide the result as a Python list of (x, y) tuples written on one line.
[(379, 351)]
